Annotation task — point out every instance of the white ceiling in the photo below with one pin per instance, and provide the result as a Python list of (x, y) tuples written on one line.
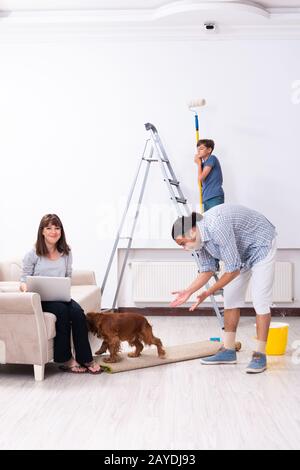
[(93, 16), (19, 5)]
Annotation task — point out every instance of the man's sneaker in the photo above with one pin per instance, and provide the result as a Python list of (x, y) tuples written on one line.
[(257, 364), (224, 356)]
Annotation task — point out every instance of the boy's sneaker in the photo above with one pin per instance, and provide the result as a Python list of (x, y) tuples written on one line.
[(257, 364), (224, 356)]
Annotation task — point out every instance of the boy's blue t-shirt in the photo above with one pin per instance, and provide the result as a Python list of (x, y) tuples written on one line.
[(212, 185)]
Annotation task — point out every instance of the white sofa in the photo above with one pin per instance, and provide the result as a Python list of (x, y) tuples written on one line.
[(26, 332)]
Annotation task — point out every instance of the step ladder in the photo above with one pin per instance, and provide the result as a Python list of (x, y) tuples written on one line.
[(154, 152)]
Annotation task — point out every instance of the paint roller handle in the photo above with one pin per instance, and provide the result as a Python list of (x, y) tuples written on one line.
[(196, 122), (150, 126)]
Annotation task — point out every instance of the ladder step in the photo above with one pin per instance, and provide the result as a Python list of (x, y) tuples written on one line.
[(155, 160), (218, 292), (180, 201), (173, 182)]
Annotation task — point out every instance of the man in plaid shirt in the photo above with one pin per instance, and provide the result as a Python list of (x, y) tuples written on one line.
[(245, 241)]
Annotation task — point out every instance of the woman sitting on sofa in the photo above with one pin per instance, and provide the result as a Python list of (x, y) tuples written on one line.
[(52, 257)]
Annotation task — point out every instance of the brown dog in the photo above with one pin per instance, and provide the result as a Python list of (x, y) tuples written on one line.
[(117, 327)]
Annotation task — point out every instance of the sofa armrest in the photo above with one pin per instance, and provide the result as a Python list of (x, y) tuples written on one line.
[(83, 277), (23, 328), (20, 303)]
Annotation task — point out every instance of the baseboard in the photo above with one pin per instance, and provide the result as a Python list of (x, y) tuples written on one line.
[(205, 311)]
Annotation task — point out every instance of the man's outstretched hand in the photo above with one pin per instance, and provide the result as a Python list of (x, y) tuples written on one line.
[(200, 299), (182, 297)]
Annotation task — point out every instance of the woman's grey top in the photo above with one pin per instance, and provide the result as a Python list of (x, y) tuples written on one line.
[(34, 265)]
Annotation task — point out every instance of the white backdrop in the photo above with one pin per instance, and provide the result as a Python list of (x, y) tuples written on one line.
[(72, 129)]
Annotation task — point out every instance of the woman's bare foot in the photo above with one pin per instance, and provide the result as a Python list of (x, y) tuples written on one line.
[(93, 367), (73, 366)]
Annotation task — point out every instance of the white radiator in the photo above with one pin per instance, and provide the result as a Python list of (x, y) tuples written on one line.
[(154, 281), (283, 283)]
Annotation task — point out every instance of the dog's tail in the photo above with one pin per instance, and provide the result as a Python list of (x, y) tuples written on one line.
[(148, 338)]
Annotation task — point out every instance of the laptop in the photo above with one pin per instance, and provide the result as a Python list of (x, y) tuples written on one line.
[(57, 289)]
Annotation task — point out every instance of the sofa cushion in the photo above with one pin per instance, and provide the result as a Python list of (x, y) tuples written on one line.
[(10, 270), (50, 320)]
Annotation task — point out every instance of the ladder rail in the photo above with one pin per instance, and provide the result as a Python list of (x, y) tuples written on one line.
[(160, 150), (159, 144), (170, 168), (216, 308)]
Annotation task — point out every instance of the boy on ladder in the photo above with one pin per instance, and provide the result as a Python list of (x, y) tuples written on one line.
[(210, 176)]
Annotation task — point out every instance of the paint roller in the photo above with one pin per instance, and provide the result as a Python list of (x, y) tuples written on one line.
[(193, 106)]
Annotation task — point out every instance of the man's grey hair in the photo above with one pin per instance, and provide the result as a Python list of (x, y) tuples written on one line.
[(184, 224)]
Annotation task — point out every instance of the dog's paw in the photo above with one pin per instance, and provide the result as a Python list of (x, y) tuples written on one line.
[(162, 354), (98, 353), (108, 359), (133, 354), (111, 359)]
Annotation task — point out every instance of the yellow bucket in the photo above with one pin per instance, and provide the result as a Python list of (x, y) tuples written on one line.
[(277, 339)]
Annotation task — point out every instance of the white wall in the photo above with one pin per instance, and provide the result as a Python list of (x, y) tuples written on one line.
[(71, 120)]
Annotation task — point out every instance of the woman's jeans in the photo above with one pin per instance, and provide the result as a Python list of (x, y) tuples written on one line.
[(69, 318)]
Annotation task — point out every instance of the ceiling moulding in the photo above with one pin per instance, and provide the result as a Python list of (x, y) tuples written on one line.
[(285, 14), (180, 10), (60, 34), (211, 7)]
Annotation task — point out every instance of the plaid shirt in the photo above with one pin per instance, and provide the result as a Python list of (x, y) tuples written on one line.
[(236, 235)]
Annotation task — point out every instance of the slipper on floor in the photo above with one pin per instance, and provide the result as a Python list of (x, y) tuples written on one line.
[(72, 369)]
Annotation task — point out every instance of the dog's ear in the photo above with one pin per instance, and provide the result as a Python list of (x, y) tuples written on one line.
[(94, 320), (99, 319), (92, 315), (91, 321)]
